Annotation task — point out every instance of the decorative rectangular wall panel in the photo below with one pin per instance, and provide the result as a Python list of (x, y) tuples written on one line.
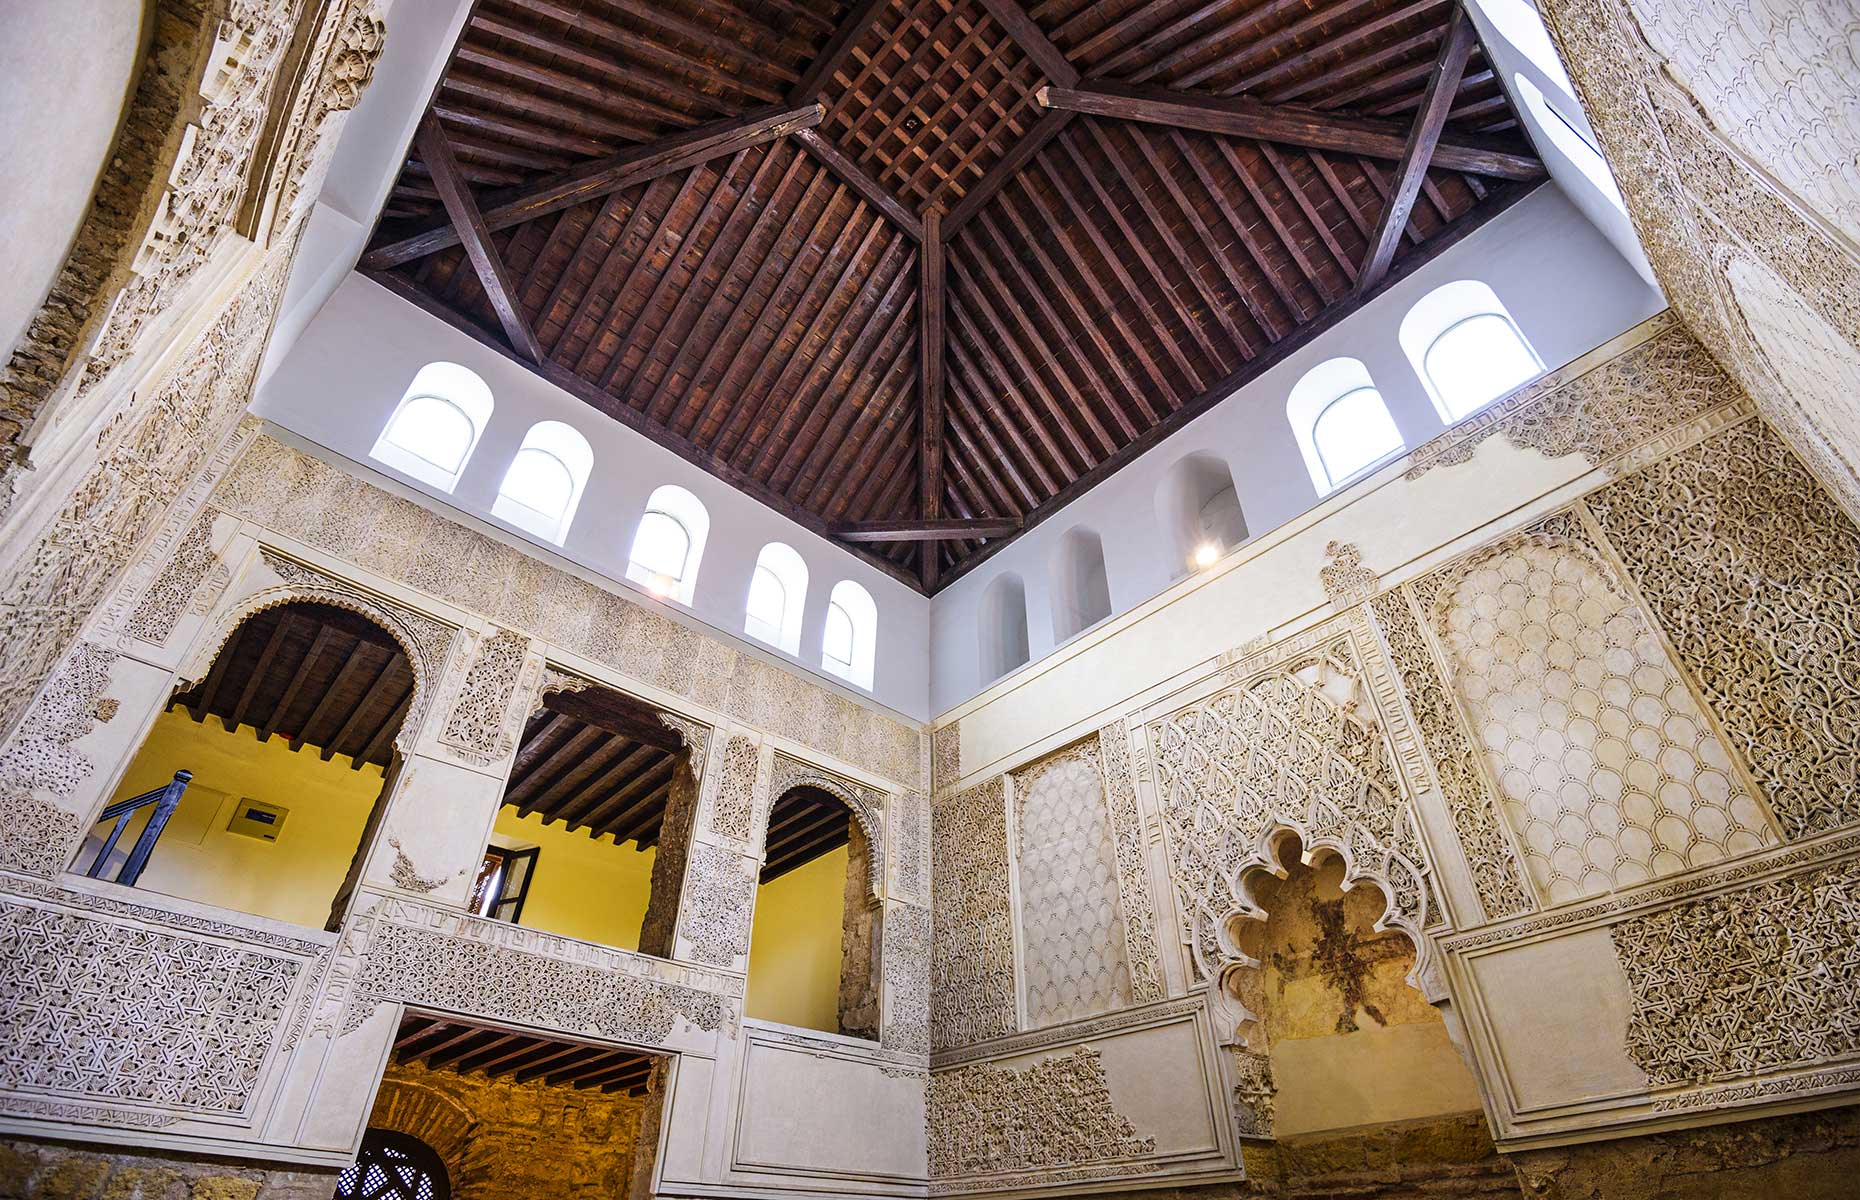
[(1297, 746), (1051, 1114), (1745, 982), (106, 1011), (1753, 571), (1607, 771), (1072, 924), (972, 968), (1133, 872), (1494, 867)]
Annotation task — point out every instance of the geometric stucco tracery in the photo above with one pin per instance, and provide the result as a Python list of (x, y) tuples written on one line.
[(1297, 747)]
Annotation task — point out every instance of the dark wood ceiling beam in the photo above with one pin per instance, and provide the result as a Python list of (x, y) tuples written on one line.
[(1032, 42), (1103, 307), (538, 782), (573, 782), (585, 1056), (643, 816), (1255, 251), (1159, 284), (932, 317), (551, 1052), (1240, 346), (1308, 30), (1048, 127), (1429, 121), (318, 645), (764, 53), (965, 467), (1502, 198), (216, 675), (980, 343), (997, 461), (1220, 40), (759, 208), (1210, 245), (666, 56), (849, 33), (370, 703), (448, 1046), (468, 222), (377, 749), (629, 168), (261, 671), (833, 278), (828, 462), (1315, 40), (629, 88), (1271, 211), (637, 759), (1291, 125), (861, 181), (356, 660), (926, 531), (1288, 179), (852, 338), (989, 411), (645, 259), (815, 446), (632, 794)]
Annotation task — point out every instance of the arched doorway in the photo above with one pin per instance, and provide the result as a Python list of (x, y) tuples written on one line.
[(254, 788), (394, 1166), (813, 950)]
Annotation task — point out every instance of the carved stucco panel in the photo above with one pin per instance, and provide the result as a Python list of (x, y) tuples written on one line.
[(37, 835), (972, 971), (1133, 876), (1071, 916), (1052, 1114), (720, 886), (1606, 769), (482, 727), (1496, 873), (1746, 982), (1753, 572), (1298, 746), (907, 949), (733, 808), (104, 1010), (284, 489)]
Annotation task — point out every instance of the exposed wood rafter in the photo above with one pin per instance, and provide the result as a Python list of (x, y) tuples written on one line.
[(929, 531), (860, 180), (1032, 42), (931, 327), (639, 164), (468, 223), (1289, 125), (1423, 139)]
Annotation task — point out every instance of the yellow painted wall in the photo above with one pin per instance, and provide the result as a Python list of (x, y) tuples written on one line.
[(582, 887), (794, 949), (292, 879)]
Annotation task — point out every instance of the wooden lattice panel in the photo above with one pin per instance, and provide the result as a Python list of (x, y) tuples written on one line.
[(934, 96)]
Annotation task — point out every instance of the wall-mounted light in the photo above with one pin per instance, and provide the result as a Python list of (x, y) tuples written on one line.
[(1205, 555), (661, 584)]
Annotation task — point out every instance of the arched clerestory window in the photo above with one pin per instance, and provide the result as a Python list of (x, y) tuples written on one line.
[(1199, 510), (777, 594), (542, 486), (1003, 627), (849, 641), (669, 544), (1080, 591), (1466, 348), (436, 425), (1342, 425)]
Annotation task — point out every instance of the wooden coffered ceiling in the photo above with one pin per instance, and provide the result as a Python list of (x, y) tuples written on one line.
[(917, 272)]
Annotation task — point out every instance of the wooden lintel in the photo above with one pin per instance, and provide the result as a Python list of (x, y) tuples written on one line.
[(468, 223), (928, 531), (1289, 125), (1429, 120), (590, 181)]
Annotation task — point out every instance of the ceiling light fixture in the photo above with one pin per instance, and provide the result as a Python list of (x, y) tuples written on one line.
[(1206, 554)]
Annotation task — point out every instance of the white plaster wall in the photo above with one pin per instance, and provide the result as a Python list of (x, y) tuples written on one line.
[(66, 67), (341, 381), (1562, 281), (420, 36)]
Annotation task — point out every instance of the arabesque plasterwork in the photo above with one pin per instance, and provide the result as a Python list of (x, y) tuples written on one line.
[(1049, 1115), (972, 979), (1297, 747), (325, 507), (1141, 948), (481, 726), (867, 804)]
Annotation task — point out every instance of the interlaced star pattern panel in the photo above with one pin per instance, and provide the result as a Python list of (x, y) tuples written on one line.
[(917, 272)]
